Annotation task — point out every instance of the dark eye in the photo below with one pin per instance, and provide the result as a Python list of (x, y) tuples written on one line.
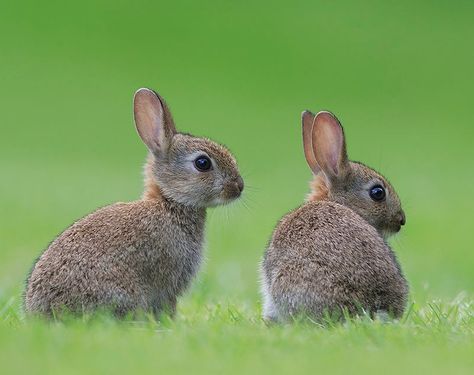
[(202, 163), (377, 193)]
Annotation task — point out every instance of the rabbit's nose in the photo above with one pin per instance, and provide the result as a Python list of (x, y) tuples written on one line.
[(240, 183), (402, 218)]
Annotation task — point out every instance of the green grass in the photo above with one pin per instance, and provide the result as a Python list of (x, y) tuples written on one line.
[(437, 338), (399, 76)]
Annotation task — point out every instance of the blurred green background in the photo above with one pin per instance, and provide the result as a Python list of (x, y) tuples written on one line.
[(399, 75)]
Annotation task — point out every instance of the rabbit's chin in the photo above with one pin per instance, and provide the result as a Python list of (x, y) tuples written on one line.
[(389, 232), (220, 201)]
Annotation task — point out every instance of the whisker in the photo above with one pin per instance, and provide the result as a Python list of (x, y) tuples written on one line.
[(251, 203), (252, 188), (245, 205)]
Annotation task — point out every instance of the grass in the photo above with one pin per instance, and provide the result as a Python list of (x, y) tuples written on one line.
[(437, 338), (399, 76)]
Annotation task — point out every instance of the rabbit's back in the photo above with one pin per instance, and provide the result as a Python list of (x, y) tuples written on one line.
[(127, 255), (324, 256)]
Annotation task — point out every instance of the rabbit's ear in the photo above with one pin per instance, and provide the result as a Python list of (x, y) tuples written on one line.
[(329, 145), (153, 120), (307, 119)]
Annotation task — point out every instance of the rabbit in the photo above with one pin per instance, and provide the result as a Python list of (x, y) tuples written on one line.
[(330, 257), (140, 256)]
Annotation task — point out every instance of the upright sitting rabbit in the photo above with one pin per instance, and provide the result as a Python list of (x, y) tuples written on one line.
[(331, 254), (140, 255)]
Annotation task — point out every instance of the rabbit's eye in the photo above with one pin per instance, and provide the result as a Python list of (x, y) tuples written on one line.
[(377, 193), (203, 163)]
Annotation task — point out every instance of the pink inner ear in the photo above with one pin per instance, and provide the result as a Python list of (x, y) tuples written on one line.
[(328, 142), (148, 118)]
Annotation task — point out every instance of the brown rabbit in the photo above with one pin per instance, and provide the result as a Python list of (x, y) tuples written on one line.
[(140, 256), (330, 255)]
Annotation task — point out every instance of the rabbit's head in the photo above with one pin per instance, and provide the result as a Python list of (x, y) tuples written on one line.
[(189, 170), (349, 183)]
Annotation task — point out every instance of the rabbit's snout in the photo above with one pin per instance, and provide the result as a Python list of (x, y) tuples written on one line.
[(398, 221), (402, 218), (233, 188), (240, 184)]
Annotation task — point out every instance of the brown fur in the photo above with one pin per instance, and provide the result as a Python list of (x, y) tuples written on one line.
[(330, 254), (151, 191), (140, 255), (319, 189), (126, 256)]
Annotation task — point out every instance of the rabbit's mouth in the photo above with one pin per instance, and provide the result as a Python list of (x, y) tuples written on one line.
[(390, 230), (397, 228), (397, 222), (232, 189), (228, 194)]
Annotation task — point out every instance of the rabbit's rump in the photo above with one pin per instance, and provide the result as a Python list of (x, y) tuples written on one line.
[(323, 257), (126, 257)]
